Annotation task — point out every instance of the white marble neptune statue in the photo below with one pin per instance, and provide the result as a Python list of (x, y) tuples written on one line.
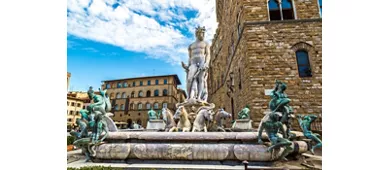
[(198, 64)]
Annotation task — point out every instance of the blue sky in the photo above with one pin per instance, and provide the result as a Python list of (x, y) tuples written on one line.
[(114, 39)]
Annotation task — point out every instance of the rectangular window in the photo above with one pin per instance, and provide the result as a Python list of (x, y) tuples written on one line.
[(156, 82), (148, 82), (141, 83), (133, 84), (165, 81), (78, 105), (72, 104)]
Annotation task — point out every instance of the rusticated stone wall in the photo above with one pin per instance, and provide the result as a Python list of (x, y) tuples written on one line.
[(271, 51), (257, 51)]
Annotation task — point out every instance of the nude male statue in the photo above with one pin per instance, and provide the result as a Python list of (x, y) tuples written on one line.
[(198, 63), (272, 127)]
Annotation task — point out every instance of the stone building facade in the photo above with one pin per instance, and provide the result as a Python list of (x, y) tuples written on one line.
[(259, 41), (132, 98), (74, 104)]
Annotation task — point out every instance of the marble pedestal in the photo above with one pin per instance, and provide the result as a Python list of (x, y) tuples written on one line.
[(242, 124), (155, 124)]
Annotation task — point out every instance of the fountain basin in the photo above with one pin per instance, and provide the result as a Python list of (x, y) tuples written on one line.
[(188, 146)]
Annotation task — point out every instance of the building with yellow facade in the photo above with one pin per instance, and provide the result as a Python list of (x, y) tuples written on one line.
[(132, 98)]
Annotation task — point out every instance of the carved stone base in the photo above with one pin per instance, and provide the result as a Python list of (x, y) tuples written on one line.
[(242, 124), (156, 124), (219, 146)]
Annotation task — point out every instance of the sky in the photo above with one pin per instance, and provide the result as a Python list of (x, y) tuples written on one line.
[(115, 39)]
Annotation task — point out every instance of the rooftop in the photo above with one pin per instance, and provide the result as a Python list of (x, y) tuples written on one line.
[(170, 75)]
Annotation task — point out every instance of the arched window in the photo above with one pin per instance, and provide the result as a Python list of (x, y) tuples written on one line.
[(108, 86), (156, 92), (148, 93), (71, 112), (123, 95), (140, 94), (155, 106), (116, 107), (303, 63), (148, 82), (134, 84), (165, 105), (165, 81), (132, 95), (165, 92), (283, 11), (141, 83), (122, 107), (131, 106), (156, 82), (125, 84), (148, 106), (287, 10), (119, 85), (139, 106), (118, 95), (274, 11)]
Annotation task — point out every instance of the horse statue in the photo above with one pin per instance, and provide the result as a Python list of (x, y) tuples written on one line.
[(217, 124), (168, 119), (203, 113), (184, 123)]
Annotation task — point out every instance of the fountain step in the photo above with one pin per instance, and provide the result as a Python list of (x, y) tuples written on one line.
[(169, 165)]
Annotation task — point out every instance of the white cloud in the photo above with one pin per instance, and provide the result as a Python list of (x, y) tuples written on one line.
[(135, 24)]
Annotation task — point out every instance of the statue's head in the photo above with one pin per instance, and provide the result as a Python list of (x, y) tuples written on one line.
[(283, 87), (200, 33), (193, 108), (90, 93)]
